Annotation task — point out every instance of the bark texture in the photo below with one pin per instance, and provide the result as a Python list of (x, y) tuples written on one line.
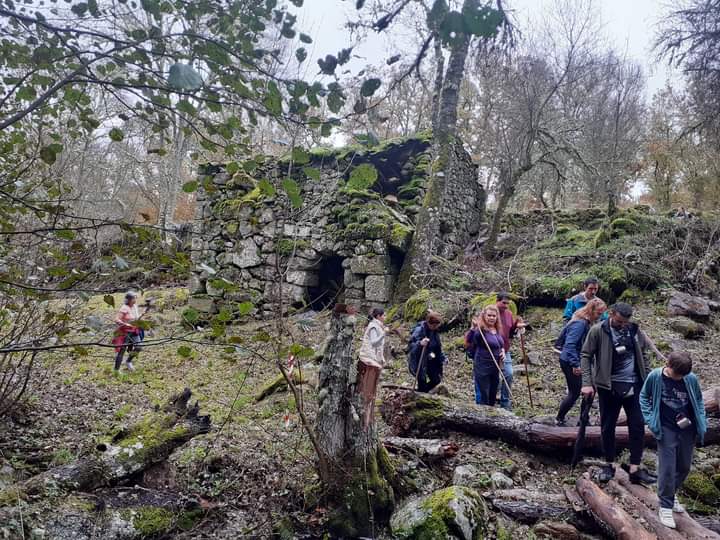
[(354, 467)]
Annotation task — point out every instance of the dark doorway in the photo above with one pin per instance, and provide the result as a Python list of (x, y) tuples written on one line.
[(331, 284)]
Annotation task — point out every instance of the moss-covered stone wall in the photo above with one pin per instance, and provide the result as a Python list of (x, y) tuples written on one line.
[(345, 242)]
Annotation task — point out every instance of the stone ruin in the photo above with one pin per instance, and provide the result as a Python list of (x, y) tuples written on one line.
[(347, 240)]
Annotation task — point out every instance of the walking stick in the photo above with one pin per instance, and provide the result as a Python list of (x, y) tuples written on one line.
[(527, 367), (419, 368), (502, 375)]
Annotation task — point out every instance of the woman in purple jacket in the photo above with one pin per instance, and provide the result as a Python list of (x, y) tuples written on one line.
[(489, 354), (575, 333)]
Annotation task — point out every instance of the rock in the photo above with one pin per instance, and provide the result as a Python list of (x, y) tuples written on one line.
[(466, 475), (247, 254), (366, 264), (690, 306), (456, 512), (353, 281), (203, 304), (196, 286), (299, 231), (534, 359), (687, 327), (378, 288), (306, 279), (215, 292), (500, 481)]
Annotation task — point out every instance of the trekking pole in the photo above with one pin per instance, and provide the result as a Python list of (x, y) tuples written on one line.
[(419, 368), (502, 375), (527, 367)]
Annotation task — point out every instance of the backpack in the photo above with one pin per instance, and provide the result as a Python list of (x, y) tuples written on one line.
[(560, 341), (469, 344), (412, 332)]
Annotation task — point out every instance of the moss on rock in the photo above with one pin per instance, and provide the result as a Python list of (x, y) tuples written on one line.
[(700, 487), (479, 301), (152, 521), (417, 305), (620, 226)]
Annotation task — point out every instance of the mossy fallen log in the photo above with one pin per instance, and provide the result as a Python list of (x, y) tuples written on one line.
[(411, 413), (119, 457)]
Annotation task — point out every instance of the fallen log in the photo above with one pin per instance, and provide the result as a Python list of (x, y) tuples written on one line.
[(686, 524), (608, 514), (531, 507), (650, 517), (425, 449), (119, 457), (410, 413)]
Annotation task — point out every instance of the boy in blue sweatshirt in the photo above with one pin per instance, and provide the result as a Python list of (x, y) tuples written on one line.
[(672, 406)]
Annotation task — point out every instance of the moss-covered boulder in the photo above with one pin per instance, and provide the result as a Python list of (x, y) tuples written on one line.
[(455, 512), (688, 328), (621, 226), (701, 488), (417, 305)]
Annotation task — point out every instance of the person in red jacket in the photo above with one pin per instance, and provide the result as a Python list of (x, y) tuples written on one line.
[(510, 325)]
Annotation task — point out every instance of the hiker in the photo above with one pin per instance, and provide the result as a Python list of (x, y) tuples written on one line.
[(372, 356), (425, 356), (673, 408), (127, 336), (373, 341), (591, 286), (573, 338), (613, 363), (509, 326), (488, 342)]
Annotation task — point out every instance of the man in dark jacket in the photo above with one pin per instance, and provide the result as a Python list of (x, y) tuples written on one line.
[(613, 363), (425, 356)]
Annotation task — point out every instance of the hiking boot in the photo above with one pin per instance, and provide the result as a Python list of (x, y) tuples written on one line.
[(641, 476), (607, 473), (677, 507), (666, 517), (560, 422), (130, 366)]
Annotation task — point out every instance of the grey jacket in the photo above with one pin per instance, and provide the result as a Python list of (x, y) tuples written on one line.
[(596, 357)]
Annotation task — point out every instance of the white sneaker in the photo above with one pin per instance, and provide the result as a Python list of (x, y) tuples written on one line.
[(130, 367), (666, 517), (677, 507)]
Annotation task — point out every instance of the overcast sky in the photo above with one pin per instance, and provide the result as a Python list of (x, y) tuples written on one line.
[(629, 24)]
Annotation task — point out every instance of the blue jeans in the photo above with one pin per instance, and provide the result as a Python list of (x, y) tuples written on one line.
[(486, 385), (504, 390)]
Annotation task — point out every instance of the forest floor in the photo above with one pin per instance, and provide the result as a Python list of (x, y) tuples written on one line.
[(255, 469)]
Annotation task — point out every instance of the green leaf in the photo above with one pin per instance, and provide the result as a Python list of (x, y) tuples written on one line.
[(184, 77), (369, 87), (190, 187), (335, 100), (312, 173), (191, 315), (184, 351), (48, 154), (301, 54), (343, 56), (362, 177), (245, 308), (273, 99), (116, 134), (305, 38), (65, 234), (266, 187), (79, 9), (359, 4), (328, 65), (292, 190), (300, 156), (109, 299), (437, 14)]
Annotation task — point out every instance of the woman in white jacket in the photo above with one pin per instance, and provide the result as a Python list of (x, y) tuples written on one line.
[(373, 342)]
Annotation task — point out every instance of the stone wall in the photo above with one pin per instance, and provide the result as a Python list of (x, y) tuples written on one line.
[(343, 244)]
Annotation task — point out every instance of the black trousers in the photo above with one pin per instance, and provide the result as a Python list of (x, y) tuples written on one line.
[(610, 405), (430, 376), (574, 384), (132, 346)]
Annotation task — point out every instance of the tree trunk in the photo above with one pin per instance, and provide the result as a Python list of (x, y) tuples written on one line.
[(506, 194), (425, 449), (447, 113), (355, 467), (417, 414)]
